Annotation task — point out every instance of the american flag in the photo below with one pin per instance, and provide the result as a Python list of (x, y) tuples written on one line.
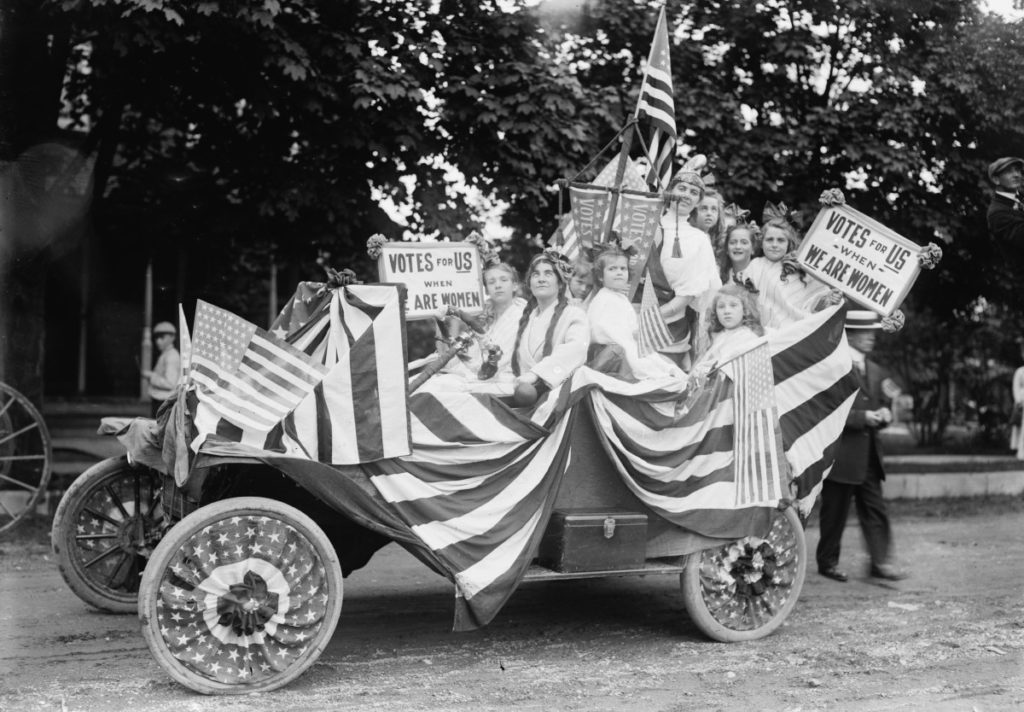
[(565, 238), (354, 410), (758, 441), (654, 334), (657, 104), (242, 599), (246, 380)]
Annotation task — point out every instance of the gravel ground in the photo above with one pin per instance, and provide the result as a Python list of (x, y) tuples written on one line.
[(949, 638)]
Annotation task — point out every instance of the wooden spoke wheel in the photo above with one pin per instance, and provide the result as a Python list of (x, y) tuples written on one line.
[(26, 456), (745, 590), (105, 528), (240, 596)]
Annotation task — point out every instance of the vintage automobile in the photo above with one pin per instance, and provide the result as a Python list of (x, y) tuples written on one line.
[(234, 554)]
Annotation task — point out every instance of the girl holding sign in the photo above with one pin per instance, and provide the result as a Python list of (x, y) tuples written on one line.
[(785, 292), (553, 335)]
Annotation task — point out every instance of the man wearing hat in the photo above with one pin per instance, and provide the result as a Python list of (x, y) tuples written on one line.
[(1006, 211), (163, 379), (858, 472)]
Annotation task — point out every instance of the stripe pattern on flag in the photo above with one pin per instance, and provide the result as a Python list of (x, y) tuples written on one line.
[(245, 377), (758, 441), (656, 102), (654, 334)]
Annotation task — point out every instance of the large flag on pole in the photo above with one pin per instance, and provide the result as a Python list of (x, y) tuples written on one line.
[(656, 103)]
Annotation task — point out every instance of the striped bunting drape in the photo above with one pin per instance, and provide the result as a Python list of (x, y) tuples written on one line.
[(475, 495)]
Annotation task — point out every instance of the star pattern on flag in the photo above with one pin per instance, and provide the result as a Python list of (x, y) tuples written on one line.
[(252, 571), (221, 337)]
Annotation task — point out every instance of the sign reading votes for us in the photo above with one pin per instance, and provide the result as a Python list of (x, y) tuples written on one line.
[(435, 274), (862, 258)]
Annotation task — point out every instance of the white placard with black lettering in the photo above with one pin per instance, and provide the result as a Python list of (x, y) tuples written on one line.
[(862, 258), (436, 275)]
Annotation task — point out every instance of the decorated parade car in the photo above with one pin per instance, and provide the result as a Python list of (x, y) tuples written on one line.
[(285, 463), (289, 456)]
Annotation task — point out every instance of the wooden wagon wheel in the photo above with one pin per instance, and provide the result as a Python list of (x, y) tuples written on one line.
[(745, 590), (240, 596), (26, 457), (105, 528)]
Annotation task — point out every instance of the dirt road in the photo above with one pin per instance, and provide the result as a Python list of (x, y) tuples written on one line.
[(949, 638)]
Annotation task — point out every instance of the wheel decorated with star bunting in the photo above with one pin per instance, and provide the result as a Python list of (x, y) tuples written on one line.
[(240, 596), (744, 590), (104, 529)]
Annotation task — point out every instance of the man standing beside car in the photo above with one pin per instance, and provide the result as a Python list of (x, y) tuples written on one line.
[(858, 472)]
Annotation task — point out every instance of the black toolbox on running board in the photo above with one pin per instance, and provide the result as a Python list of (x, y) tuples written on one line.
[(594, 540)]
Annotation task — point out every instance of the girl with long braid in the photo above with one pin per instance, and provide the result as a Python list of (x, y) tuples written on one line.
[(553, 334)]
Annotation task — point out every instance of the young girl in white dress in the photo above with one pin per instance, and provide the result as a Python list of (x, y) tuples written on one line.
[(734, 324), (785, 293), (614, 324)]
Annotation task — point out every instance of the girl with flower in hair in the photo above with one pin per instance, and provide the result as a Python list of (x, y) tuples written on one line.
[(614, 325), (553, 335), (785, 292)]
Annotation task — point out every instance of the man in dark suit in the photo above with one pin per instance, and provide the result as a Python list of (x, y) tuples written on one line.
[(1006, 211), (858, 472)]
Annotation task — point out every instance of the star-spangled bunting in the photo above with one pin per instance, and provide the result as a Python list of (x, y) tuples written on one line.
[(242, 599)]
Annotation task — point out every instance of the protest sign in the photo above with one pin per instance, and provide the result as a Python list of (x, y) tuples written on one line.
[(862, 258), (436, 274), (639, 217)]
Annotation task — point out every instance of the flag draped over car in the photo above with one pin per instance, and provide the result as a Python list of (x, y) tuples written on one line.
[(334, 391)]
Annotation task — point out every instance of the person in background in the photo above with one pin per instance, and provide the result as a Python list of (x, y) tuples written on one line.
[(164, 378), (709, 218), (858, 471), (581, 283), (1006, 211), (1016, 428)]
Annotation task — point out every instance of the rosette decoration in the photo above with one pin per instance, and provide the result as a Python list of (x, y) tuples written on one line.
[(375, 245), (894, 322), (929, 256), (832, 196), (488, 255)]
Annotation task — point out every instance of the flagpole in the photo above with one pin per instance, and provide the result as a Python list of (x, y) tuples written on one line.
[(627, 139)]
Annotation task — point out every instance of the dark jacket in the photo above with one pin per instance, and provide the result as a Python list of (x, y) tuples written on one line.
[(859, 447), (1004, 221)]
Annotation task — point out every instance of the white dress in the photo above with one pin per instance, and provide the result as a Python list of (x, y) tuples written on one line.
[(783, 302), (571, 339), (613, 321)]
